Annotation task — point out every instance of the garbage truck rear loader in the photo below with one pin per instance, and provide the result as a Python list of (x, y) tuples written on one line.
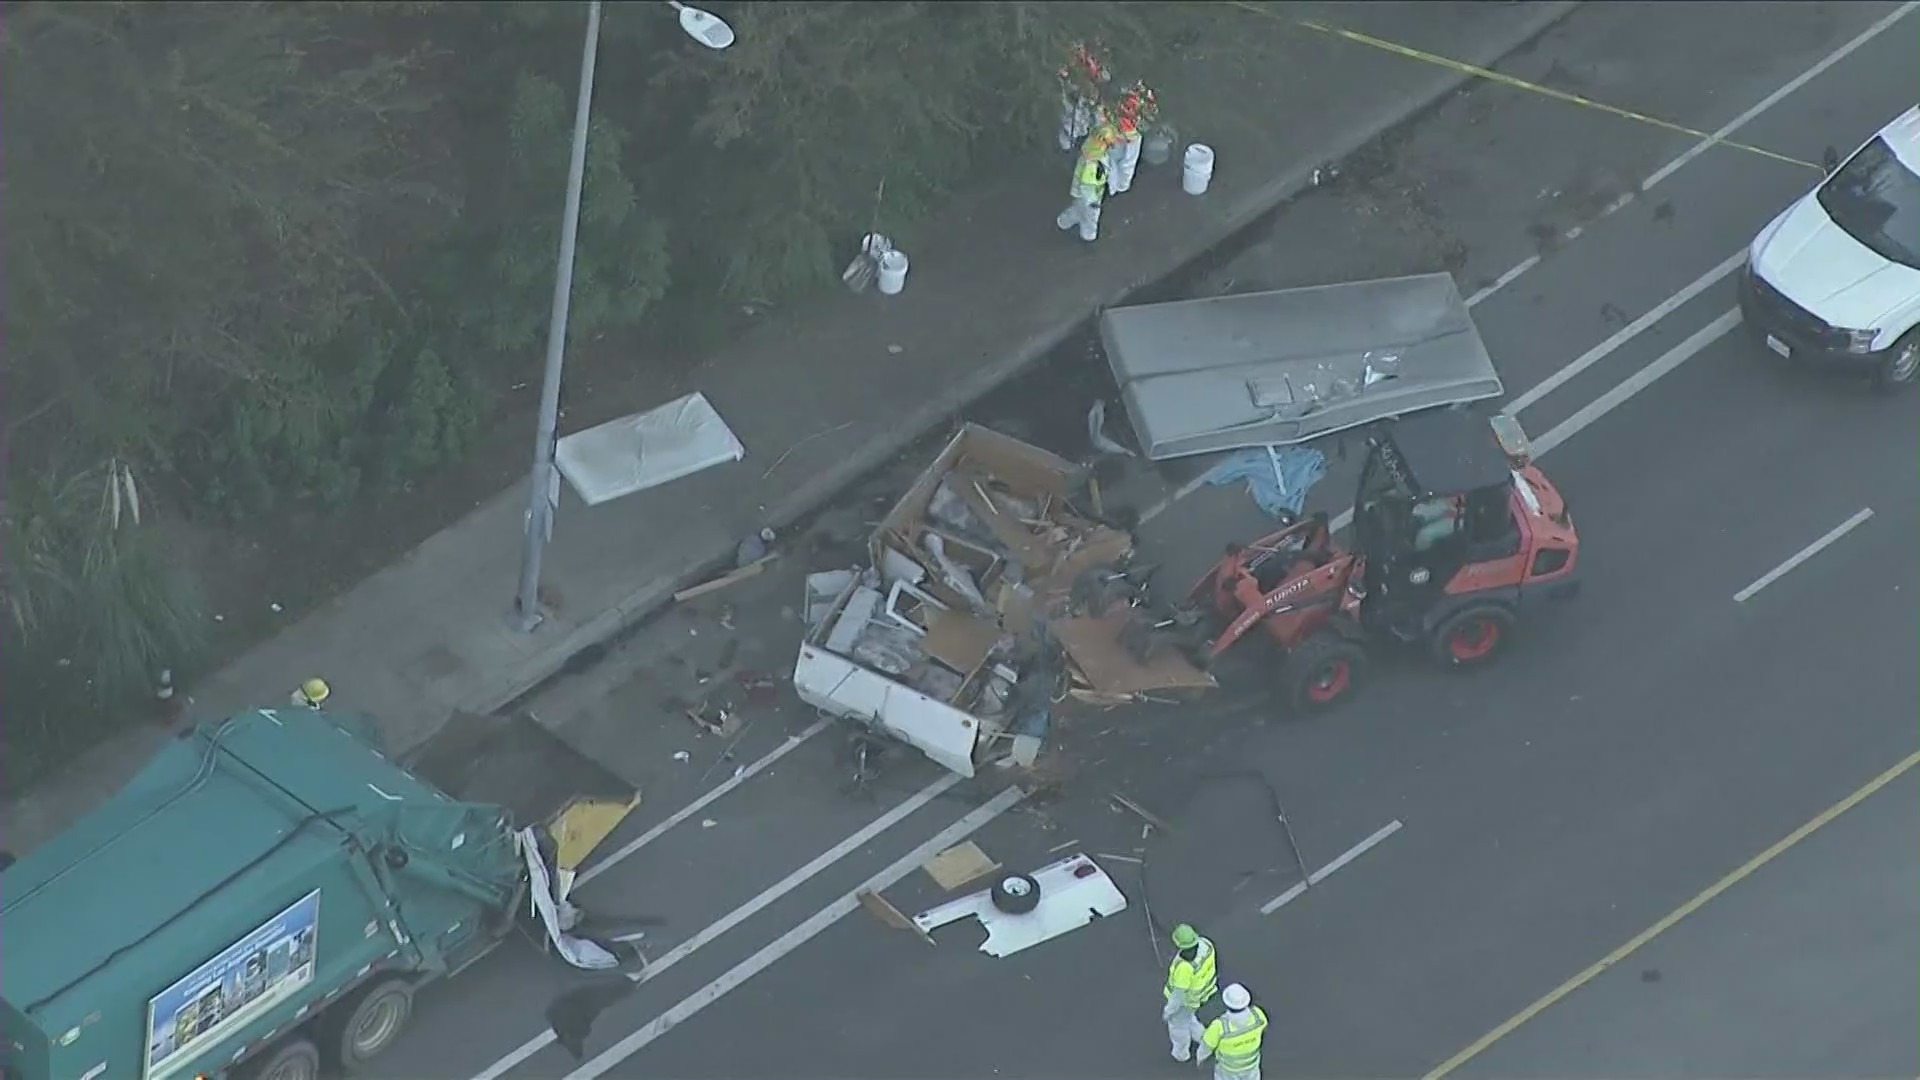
[(261, 901)]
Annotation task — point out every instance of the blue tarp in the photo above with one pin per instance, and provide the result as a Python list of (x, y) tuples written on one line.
[(1298, 469)]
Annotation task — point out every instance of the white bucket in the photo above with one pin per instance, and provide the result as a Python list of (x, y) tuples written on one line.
[(1197, 171), (893, 273)]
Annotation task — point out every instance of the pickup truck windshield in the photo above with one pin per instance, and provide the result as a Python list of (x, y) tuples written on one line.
[(1876, 199)]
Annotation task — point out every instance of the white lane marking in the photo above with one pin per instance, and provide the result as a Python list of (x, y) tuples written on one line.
[(1626, 333), (749, 909), (1803, 555), (603, 865), (1179, 493), (1773, 99), (1618, 395), (794, 938), (1326, 871), (1503, 280), (1638, 381)]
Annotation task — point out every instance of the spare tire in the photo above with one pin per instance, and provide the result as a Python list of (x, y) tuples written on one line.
[(1016, 894)]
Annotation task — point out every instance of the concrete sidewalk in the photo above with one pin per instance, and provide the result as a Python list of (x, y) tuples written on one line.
[(822, 395)]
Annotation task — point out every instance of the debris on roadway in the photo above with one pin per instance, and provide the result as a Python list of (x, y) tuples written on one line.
[(1290, 365), (1023, 910), (994, 588), (958, 865)]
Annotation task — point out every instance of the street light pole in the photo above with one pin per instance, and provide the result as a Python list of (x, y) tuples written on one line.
[(713, 32), (540, 490)]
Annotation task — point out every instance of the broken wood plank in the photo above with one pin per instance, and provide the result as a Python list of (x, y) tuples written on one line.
[(879, 908), (726, 579), (1144, 814), (958, 865)]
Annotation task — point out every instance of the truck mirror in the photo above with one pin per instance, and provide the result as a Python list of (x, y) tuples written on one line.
[(1830, 159)]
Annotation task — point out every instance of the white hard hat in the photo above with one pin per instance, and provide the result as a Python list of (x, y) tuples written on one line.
[(1235, 997)]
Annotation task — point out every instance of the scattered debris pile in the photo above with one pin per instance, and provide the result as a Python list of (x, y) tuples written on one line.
[(997, 587)]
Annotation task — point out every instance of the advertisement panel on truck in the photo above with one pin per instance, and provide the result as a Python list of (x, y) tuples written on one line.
[(243, 981)]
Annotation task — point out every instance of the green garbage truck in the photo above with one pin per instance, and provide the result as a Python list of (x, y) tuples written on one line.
[(266, 896)]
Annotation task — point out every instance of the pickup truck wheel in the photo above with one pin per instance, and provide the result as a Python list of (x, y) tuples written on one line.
[(1016, 894), (1900, 366), (296, 1060), (370, 1023)]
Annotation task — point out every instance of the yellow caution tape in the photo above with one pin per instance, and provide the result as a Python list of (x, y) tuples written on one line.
[(1518, 84)]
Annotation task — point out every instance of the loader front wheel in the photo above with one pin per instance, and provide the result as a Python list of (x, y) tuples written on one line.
[(1322, 672)]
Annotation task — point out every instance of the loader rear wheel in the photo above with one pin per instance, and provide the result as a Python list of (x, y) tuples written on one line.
[(364, 1026), (1323, 671), (296, 1060)]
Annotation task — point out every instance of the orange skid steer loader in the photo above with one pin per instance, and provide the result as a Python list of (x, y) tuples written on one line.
[(1456, 534)]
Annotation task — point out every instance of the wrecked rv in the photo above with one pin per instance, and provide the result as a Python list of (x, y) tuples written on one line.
[(981, 609)]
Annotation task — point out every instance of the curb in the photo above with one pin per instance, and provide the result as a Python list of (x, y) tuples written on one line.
[(642, 604)]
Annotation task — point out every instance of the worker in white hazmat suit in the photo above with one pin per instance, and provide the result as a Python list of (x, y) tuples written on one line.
[(1089, 187), (1133, 114), (1191, 980), (1233, 1039)]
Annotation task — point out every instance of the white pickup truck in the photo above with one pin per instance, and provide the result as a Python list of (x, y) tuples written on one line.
[(1835, 279)]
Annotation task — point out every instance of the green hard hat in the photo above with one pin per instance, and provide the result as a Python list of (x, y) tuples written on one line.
[(1185, 936)]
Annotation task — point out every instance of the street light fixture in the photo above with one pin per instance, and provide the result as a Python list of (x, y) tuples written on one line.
[(712, 31), (703, 26)]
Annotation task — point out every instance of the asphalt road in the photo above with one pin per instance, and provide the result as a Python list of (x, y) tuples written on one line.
[(1728, 992), (1636, 747)]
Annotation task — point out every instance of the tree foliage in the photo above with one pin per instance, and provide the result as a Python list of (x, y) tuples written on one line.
[(269, 255), (93, 608)]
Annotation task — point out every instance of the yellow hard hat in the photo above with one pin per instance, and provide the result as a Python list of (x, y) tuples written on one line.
[(315, 690)]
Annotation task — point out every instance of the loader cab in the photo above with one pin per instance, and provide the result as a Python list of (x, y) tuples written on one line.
[(1436, 500)]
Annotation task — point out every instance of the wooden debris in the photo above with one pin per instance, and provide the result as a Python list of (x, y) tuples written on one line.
[(724, 580), (958, 865), (878, 907), (1142, 812)]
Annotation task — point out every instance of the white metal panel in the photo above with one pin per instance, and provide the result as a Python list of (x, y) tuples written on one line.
[(839, 687)]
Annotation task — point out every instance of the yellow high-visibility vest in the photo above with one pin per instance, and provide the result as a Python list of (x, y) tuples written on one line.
[(1236, 1044), (1091, 176), (1193, 983)]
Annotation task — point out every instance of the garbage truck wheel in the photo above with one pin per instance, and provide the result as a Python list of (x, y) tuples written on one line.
[(295, 1060), (369, 1023), (1016, 894)]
